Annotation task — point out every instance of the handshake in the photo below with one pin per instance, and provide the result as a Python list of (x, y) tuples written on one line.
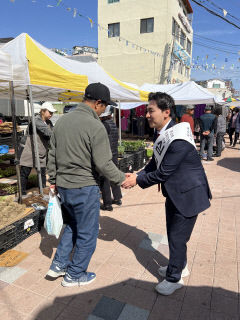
[(130, 181)]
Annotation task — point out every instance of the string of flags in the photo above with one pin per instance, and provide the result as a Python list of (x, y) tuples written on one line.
[(204, 66)]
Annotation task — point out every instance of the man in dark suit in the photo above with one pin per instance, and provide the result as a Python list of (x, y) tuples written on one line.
[(184, 184)]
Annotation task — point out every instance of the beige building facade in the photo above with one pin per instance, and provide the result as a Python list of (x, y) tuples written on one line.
[(143, 41)]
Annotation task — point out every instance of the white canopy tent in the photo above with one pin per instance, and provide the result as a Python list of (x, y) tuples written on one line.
[(6, 73), (183, 94), (54, 77)]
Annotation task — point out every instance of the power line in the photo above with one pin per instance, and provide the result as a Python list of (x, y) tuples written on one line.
[(216, 14), (212, 40), (217, 49), (222, 9)]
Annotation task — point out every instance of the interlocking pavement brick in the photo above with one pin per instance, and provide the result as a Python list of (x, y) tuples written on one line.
[(132, 312), (108, 309)]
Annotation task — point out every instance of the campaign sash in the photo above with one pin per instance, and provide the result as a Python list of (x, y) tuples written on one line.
[(181, 131)]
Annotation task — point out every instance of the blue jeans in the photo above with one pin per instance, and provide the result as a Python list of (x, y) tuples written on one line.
[(209, 141), (80, 234)]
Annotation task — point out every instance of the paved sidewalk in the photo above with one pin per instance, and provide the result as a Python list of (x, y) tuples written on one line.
[(131, 245)]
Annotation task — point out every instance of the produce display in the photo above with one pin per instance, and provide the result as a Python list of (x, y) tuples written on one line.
[(10, 211), (6, 188), (35, 198), (7, 171), (7, 127)]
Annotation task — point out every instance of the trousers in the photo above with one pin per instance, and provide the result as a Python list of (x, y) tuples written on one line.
[(179, 229), (106, 186), (209, 141), (24, 174), (80, 234)]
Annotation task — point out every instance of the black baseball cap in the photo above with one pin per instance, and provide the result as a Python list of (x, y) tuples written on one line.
[(98, 91)]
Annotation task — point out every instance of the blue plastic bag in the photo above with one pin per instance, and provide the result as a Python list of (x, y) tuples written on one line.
[(53, 220), (4, 149)]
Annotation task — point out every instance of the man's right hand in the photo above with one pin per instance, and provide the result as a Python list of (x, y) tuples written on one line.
[(53, 188)]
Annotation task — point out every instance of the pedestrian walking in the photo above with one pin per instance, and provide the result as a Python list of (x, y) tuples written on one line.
[(79, 153), (178, 168)]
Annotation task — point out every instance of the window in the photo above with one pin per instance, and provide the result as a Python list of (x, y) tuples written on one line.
[(182, 39), (187, 72), (147, 25), (189, 46), (175, 29), (114, 30), (216, 85), (111, 1), (175, 64), (180, 68)]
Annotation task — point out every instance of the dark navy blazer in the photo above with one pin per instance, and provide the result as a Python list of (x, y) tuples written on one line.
[(182, 178)]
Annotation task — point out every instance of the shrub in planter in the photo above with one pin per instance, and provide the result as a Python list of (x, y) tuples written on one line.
[(132, 146), (32, 181), (10, 171), (7, 188), (149, 153), (121, 150), (5, 157)]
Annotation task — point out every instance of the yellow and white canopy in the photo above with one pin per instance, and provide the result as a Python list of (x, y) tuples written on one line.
[(54, 77), (6, 73)]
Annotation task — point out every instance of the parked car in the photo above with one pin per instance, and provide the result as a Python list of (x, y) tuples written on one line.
[(69, 108)]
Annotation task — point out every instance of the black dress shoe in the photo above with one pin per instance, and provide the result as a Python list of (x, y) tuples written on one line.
[(216, 155), (210, 159), (117, 202), (106, 207)]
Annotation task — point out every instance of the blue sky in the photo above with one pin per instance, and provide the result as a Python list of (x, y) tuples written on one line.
[(55, 27)]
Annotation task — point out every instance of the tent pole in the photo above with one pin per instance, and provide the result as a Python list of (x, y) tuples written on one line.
[(13, 109), (119, 123), (36, 152)]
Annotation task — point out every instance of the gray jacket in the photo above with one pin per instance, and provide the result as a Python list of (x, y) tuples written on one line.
[(80, 151), (221, 124), (44, 132)]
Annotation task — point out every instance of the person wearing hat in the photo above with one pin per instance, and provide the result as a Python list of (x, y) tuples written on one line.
[(208, 126), (105, 185), (188, 116), (79, 153), (44, 131)]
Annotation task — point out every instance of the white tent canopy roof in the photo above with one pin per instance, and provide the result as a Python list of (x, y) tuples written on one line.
[(5, 67), (183, 94), (54, 77)]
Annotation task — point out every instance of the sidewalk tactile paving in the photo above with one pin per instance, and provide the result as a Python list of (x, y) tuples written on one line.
[(10, 274)]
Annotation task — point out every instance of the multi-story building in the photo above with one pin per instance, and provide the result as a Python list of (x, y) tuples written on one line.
[(85, 51), (220, 88), (145, 41)]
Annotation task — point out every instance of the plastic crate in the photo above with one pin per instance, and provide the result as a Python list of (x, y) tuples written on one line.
[(19, 230)]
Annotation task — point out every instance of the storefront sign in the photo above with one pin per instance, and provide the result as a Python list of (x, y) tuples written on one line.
[(184, 22), (182, 54)]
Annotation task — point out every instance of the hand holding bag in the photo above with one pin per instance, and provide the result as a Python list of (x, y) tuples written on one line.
[(53, 220)]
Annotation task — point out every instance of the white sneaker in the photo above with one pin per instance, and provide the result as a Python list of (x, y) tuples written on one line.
[(166, 288), (162, 272)]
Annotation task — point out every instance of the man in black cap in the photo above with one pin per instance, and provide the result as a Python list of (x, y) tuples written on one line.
[(79, 152)]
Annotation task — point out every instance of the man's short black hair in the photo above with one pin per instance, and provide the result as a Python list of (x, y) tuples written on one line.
[(163, 100)]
